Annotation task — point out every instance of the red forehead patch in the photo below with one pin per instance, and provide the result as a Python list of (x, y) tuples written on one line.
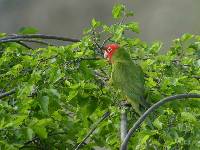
[(112, 46)]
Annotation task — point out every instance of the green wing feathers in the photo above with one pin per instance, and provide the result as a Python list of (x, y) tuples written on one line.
[(128, 77)]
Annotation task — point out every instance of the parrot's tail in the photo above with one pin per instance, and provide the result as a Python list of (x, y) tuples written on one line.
[(144, 104), (139, 113)]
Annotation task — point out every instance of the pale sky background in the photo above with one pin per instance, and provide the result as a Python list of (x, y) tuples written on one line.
[(161, 20)]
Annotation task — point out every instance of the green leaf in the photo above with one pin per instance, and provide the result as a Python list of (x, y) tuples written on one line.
[(55, 74), (118, 32), (156, 47), (19, 120), (95, 23), (144, 139), (157, 123), (90, 86), (15, 70), (129, 13), (2, 35), (29, 133), (186, 116), (186, 37), (133, 26), (57, 116), (151, 82), (44, 103), (101, 63), (67, 82), (25, 91), (53, 92), (92, 105), (40, 127), (72, 94), (41, 132), (117, 10), (198, 62), (43, 122), (28, 30), (35, 77)]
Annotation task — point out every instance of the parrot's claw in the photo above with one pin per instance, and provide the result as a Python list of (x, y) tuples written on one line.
[(125, 103)]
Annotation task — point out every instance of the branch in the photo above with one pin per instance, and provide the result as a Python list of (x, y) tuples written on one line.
[(37, 138), (34, 41), (150, 110), (196, 77), (22, 41), (108, 38), (79, 60), (38, 36), (93, 129), (122, 19), (7, 93), (123, 125), (24, 44), (38, 41)]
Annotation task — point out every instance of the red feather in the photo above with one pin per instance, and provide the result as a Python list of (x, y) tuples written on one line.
[(110, 49)]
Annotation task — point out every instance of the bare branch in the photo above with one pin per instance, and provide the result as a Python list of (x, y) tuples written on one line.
[(106, 40), (7, 93), (196, 77), (123, 125), (150, 110), (95, 39), (120, 23), (37, 138), (93, 129), (122, 19), (38, 36), (19, 40), (36, 41), (24, 44)]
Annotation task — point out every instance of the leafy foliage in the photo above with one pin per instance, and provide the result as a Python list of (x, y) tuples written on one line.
[(61, 92)]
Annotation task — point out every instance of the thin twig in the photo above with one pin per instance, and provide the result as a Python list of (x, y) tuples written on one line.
[(106, 40), (37, 138), (120, 23), (150, 110), (95, 42), (24, 44), (122, 19), (92, 130), (39, 36), (7, 93), (92, 58), (196, 77), (79, 60)]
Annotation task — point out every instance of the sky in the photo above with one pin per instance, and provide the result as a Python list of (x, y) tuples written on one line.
[(160, 20)]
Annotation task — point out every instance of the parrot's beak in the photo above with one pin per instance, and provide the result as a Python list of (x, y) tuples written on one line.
[(105, 54)]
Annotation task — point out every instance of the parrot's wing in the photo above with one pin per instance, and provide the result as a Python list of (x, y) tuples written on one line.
[(129, 78)]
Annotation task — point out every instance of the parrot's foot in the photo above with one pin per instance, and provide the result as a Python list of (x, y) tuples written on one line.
[(125, 103)]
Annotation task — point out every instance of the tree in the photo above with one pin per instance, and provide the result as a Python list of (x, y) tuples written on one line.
[(52, 97)]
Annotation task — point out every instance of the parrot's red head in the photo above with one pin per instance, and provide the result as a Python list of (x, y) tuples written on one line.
[(110, 49)]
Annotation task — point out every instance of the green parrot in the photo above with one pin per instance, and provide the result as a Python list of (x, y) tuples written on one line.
[(126, 76)]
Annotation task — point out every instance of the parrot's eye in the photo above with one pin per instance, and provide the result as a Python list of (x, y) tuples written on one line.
[(109, 49)]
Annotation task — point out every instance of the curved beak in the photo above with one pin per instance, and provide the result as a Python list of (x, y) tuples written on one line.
[(105, 54)]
